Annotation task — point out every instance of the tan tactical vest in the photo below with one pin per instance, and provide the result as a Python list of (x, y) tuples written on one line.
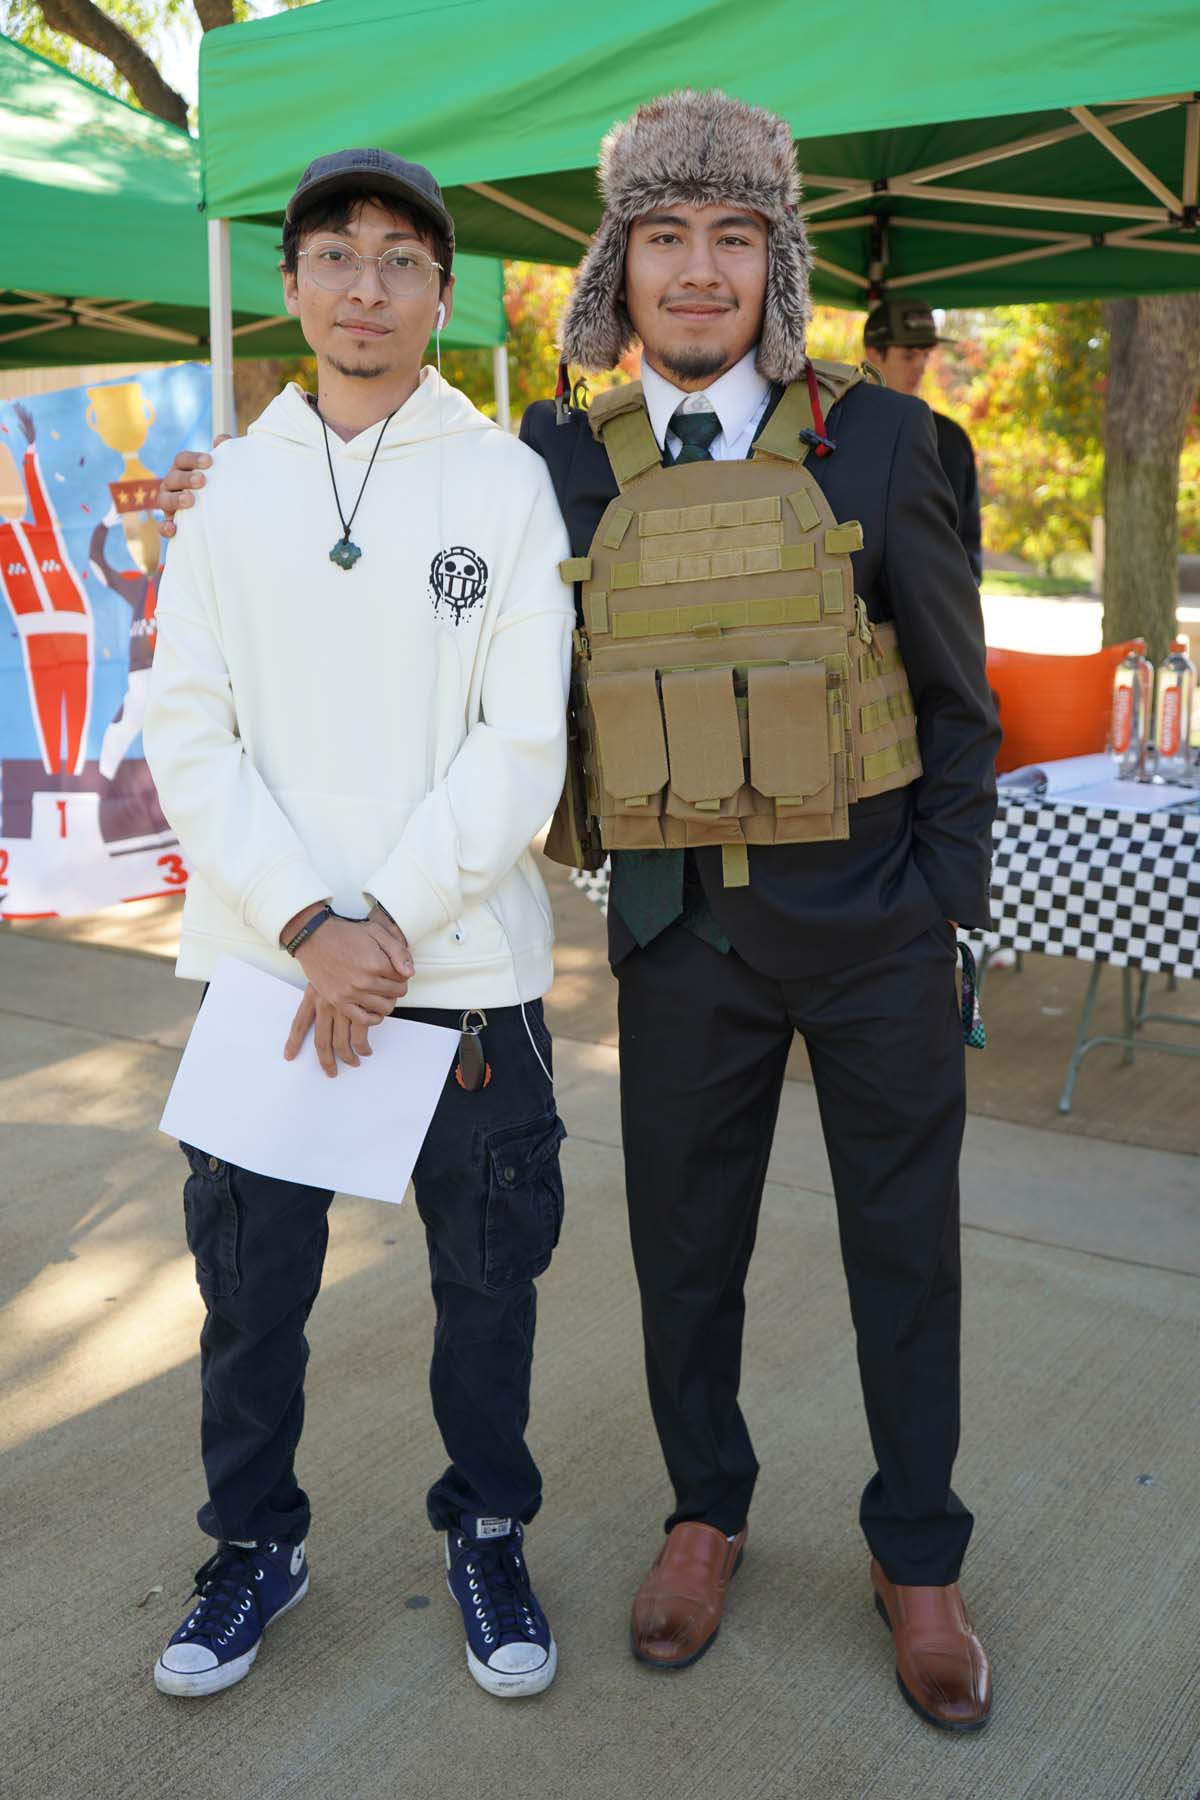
[(727, 686)]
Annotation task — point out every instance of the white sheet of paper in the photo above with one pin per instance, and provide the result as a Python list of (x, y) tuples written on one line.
[(235, 1097)]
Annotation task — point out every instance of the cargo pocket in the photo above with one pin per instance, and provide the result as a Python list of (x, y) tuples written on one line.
[(629, 740), (210, 1216), (704, 740), (524, 1210), (791, 721)]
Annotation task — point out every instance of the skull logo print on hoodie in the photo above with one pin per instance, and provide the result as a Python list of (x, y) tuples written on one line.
[(458, 581)]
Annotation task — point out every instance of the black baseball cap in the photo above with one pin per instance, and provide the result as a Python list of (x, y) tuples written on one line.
[(378, 170), (905, 323)]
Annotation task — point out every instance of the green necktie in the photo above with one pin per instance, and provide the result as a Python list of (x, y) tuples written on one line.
[(696, 432), (647, 885)]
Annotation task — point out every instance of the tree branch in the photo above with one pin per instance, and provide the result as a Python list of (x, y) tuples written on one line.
[(88, 25), (212, 13)]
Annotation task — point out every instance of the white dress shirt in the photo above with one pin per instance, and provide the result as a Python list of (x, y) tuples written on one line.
[(739, 399)]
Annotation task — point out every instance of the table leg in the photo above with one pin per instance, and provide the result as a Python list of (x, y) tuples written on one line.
[(1081, 1040), (1129, 1015)]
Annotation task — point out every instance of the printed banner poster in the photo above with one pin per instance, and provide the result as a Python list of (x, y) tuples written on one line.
[(80, 561)]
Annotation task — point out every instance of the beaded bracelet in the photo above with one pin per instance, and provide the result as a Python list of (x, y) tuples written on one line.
[(306, 930)]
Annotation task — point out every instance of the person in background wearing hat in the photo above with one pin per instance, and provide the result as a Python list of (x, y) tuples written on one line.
[(702, 254), (356, 726), (899, 338)]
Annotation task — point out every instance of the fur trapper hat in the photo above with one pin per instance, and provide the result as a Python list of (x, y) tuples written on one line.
[(694, 149)]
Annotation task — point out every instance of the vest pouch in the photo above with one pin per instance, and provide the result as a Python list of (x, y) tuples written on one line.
[(791, 725), (631, 748), (704, 743), (884, 725)]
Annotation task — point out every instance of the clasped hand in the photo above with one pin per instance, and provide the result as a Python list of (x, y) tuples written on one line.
[(357, 971)]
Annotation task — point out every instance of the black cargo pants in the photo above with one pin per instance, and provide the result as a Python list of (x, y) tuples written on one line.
[(489, 1191)]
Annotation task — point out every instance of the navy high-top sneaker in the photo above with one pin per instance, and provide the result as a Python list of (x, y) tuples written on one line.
[(238, 1592), (510, 1649)]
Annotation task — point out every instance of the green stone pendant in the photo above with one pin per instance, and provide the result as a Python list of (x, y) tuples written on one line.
[(344, 553)]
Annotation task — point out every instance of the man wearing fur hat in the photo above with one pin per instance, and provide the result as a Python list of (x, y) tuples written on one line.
[(784, 734)]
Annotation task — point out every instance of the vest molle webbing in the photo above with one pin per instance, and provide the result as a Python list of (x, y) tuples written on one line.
[(727, 685)]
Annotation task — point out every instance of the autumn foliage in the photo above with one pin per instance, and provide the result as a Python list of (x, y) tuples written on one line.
[(1027, 383)]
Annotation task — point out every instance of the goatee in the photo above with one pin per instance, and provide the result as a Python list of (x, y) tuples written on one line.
[(359, 374), (693, 365)]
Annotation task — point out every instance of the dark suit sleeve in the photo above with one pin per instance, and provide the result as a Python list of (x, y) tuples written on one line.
[(965, 482), (969, 528), (939, 622), (529, 433)]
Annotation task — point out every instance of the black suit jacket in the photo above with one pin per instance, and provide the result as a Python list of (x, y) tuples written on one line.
[(914, 856), (958, 460)]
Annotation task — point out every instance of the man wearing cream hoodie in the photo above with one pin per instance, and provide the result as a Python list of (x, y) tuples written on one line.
[(356, 726)]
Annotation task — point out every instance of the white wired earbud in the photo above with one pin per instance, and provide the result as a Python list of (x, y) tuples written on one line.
[(495, 909)]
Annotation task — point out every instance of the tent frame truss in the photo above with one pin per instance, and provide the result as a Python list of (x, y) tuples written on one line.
[(1134, 223), (51, 314)]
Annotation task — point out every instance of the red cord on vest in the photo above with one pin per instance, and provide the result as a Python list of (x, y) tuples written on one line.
[(822, 449)]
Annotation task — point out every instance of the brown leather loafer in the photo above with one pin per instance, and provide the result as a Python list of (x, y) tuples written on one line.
[(941, 1666), (677, 1610)]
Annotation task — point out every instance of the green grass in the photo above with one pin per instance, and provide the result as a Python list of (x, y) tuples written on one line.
[(1038, 587)]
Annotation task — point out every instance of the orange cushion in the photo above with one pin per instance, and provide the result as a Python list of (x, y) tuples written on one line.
[(1051, 706)]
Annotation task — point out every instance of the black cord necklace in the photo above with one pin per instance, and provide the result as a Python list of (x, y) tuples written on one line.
[(345, 553)]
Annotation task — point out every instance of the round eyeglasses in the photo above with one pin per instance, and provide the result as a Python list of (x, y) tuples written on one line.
[(404, 272)]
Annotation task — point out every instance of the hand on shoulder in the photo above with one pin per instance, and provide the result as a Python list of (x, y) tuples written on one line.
[(176, 490)]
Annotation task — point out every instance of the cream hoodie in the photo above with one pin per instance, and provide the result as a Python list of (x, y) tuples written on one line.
[(396, 730)]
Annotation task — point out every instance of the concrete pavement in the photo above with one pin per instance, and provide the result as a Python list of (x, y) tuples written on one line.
[(1080, 1458)]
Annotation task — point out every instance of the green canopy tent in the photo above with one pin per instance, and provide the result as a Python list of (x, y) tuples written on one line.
[(104, 254), (980, 155)]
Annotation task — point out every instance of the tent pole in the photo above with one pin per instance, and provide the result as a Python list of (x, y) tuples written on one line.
[(1191, 155), (220, 327), (1127, 159), (500, 384), (1042, 140), (849, 275), (954, 227), (525, 211), (1102, 209), (854, 224), (1125, 240), (989, 262)]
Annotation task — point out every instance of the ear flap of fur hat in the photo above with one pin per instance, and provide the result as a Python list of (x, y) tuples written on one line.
[(694, 150)]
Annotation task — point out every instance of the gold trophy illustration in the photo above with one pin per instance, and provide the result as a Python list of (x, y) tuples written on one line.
[(121, 417)]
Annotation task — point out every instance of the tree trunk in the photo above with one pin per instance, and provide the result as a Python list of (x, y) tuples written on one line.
[(1154, 369), (212, 13), (88, 25), (256, 381)]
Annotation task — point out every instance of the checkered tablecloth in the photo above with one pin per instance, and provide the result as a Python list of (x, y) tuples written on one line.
[(1101, 883)]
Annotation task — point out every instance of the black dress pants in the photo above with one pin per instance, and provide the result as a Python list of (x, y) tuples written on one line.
[(704, 1044)]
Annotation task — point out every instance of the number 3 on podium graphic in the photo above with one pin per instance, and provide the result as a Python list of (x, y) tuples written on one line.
[(174, 872)]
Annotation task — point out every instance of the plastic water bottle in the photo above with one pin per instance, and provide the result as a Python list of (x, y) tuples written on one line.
[(1173, 717), (1133, 693)]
